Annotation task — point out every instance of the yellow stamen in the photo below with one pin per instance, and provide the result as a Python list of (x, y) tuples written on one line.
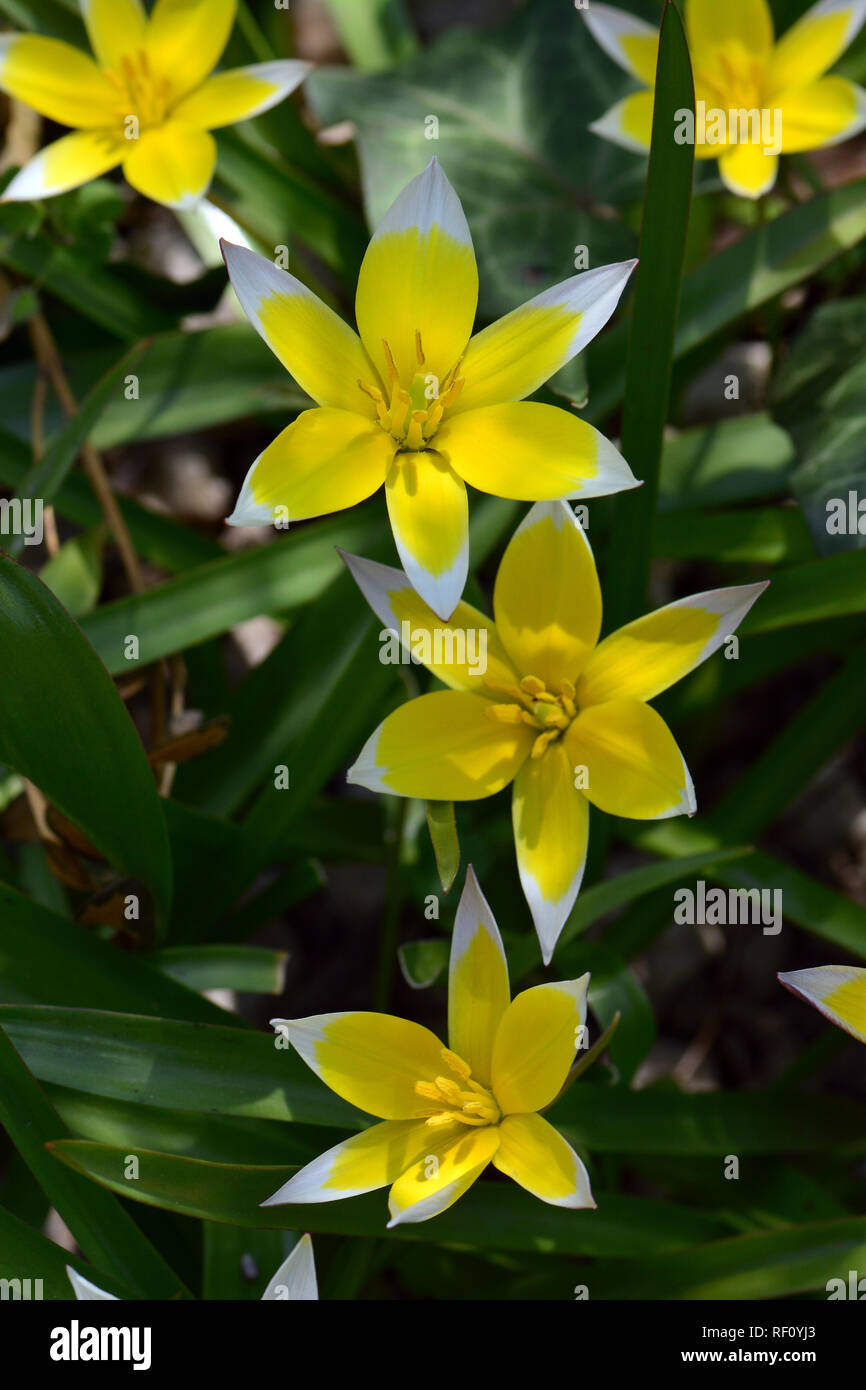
[(419, 351), (393, 374)]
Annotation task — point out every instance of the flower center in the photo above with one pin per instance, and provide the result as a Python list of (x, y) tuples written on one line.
[(413, 414), (463, 1100), (533, 704), (732, 79), (140, 92)]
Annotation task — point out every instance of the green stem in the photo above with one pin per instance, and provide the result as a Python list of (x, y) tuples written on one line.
[(394, 898)]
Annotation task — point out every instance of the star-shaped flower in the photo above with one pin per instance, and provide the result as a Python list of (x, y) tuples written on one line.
[(558, 713), (739, 67), (146, 99), (446, 1112), (414, 402)]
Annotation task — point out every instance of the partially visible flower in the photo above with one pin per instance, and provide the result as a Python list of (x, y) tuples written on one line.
[(446, 1112), (147, 102), (294, 1281), (562, 715), (415, 402), (836, 991), (739, 68)]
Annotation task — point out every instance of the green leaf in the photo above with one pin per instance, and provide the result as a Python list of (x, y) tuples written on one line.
[(811, 593), (654, 321), (63, 726), (375, 33), (250, 969), (25, 1254), (74, 574), (422, 962), (446, 846), (737, 460), (491, 1215), (238, 1264), (106, 1233), (765, 535), (174, 1065)]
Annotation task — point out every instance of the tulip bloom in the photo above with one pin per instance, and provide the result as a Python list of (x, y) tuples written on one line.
[(147, 101), (836, 991), (294, 1281), (741, 70), (562, 718), (446, 1112), (414, 402)]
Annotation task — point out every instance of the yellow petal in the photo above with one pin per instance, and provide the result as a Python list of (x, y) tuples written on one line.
[(824, 113), (748, 170), (371, 1060), (629, 41), (172, 163), (442, 747), (837, 991), (629, 123), (534, 1154), (321, 352), (324, 461), (419, 276), (116, 29), (709, 24), (547, 600), (434, 1182), (185, 39), (532, 452), (374, 1158), (429, 514), (478, 990), (519, 352), (465, 653), (241, 93), (634, 767), (813, 43), (551, 830), (648, 655), (57, 80), (535, 1045), (67, 163)]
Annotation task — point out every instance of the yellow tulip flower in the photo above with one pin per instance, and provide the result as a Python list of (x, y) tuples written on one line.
[(146, 99), (446, 1112), (776, 90), (412, 401), (837, 991), (562, 718)]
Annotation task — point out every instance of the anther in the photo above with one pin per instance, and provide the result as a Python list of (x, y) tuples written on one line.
[(419, 351)]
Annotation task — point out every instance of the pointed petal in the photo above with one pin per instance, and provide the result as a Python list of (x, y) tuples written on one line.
[(85, 1291), (374, 1158), (419, 275), (748, 170), (116, 29), (323, 462), (551, 832), (371, 1060), (442, 747), (837, 991), (824, 113), (812, 45), (532, 452), (522, 350), (534, 1154), (57, 80), (173, 164), (709, 25), (547, 599), (629, 41), (185, 39), (313, 343), (464, 653), (478, 990), (66, 163), (241, 93), (536, 1043), (429, 514), (295, 1280), (634, 767), (629, 123), (652, 653), (428, 1188)]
